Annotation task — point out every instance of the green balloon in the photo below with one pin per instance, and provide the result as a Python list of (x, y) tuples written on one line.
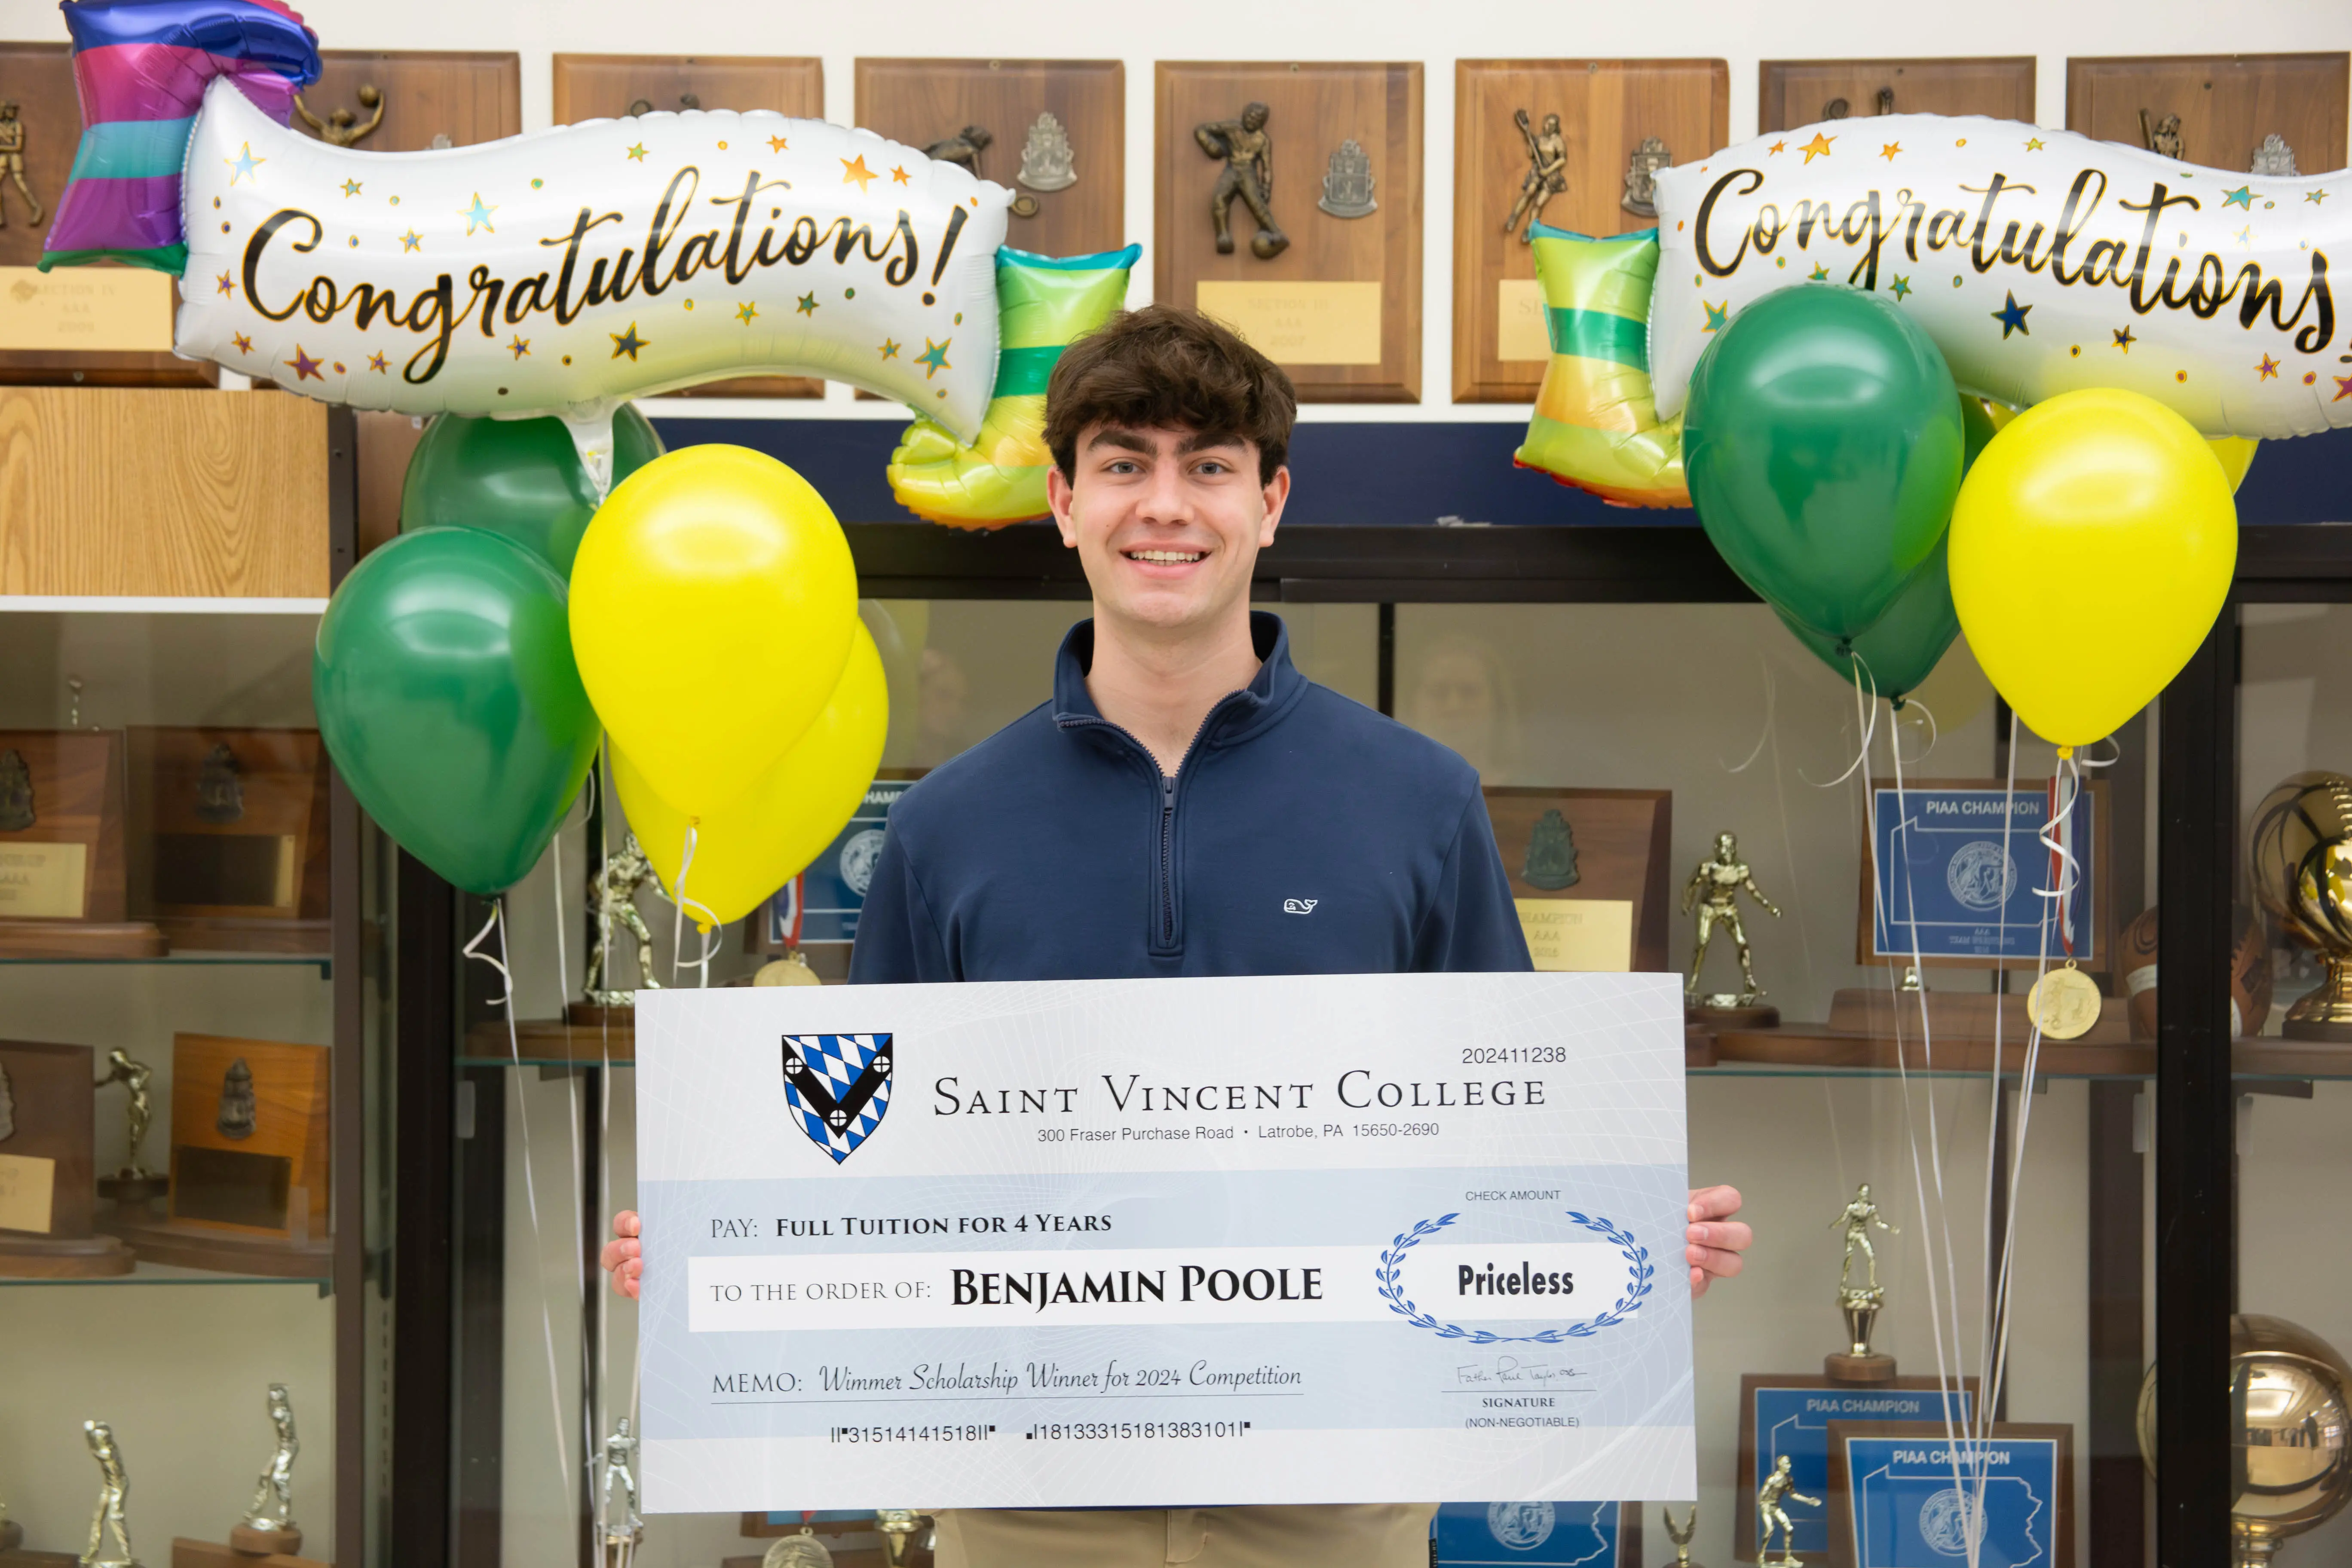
[(1904, 646), (1823, 445), (447, 694), (521, 477)]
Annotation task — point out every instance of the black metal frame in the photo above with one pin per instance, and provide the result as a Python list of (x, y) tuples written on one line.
[(2196, 762)]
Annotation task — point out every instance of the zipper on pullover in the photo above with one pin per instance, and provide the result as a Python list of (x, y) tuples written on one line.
[(1165, 938)]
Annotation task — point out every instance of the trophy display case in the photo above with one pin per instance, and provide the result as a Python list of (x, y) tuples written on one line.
[(193, 989)]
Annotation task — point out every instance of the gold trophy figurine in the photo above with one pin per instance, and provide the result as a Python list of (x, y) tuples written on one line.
[(1546, 175), (1860, 1302), (622, 1529), (12, 162), (897, 1527), (2300, 862), (1780, 1484), (1714, 888), (269, 1526), (134, 1185), (612, 895), (1246, 150), (1680, 1534), (108, 1519)]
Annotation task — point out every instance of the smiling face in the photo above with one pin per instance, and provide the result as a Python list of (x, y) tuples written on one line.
[(1166, 524)]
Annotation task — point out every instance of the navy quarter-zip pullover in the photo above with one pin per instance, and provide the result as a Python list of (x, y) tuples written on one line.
[(1302, 834)]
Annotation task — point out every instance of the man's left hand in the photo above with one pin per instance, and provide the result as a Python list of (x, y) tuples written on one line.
[(1716, 1239)]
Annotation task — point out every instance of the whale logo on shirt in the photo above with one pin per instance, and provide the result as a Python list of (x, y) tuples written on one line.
[(1299, 906)]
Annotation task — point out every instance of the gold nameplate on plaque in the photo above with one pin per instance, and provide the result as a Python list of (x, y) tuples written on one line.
[(43, 881), (1586, 936), (1520, 332), (113, 308), (27, 1181), (1300, 324)]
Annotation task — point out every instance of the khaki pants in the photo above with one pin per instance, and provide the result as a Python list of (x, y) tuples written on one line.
[(1349, 1535)]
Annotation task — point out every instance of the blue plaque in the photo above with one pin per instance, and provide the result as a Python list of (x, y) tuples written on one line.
[(1943, 873), (1899, 1501), (1487, 1534), (1791, 1415), (833, 890)]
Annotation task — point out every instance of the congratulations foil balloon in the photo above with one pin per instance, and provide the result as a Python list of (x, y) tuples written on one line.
[(2038, 261), (559, 272)]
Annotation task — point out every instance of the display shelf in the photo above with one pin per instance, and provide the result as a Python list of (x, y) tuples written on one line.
[(323, 963), (145, 1273), (548, 1042)]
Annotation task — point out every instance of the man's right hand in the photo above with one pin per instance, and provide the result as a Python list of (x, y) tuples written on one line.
[(623, 1258)]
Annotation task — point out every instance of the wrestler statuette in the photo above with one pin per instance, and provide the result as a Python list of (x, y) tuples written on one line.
[(1860, 1303), (612, 894), (1546, 175), (623, 1528), (1714, 888), (1248, 154), (1769, 1514), (269, 1526), (12, 164), (134, 1184), (341, 127), (108, 1519)]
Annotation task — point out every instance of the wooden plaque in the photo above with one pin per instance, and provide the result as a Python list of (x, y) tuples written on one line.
[(1798, 93), (1805, 1435), (251, 1156), (2046, 1525), (228, 841), (1590, 886), (2227, 104), (1340, 309), (61, 824), (127, 310), (464, 97), (607, 87), (921, 101), (1607, 110), (47, 1160)]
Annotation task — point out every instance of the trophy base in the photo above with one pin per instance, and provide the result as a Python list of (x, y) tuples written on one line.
[(1843, 1367), (187, 1554), (12, 1535), (17, 1557), (133, 1192), (2325, 1030), (81, 939), (590, 1016), (78, 1257), (1725, 1012), (255, 1542)]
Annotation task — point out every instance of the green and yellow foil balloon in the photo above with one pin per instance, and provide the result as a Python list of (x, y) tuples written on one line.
[(1596, 423), (1043, 305)]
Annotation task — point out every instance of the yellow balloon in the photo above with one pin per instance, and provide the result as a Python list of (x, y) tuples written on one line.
[(712, 601), (754, 846), (2234, 453), (2092, 546)]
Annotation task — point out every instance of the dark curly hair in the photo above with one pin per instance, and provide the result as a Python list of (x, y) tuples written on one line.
[(1163, 368)]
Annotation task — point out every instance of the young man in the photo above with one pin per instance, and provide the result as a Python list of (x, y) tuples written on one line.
[(1188, 804)]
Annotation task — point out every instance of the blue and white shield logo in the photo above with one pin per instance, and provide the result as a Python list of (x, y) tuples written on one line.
[(839, 1086)]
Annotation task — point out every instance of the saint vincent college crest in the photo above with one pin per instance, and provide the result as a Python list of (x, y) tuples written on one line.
[(839, 1086)]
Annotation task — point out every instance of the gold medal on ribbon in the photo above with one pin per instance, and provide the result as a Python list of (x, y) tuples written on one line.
[(2064, 1003)]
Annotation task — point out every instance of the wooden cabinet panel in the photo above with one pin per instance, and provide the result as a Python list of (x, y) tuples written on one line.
[(1607, 110), (140, 492), (1799, 92), (1340, 308), (2227, 104)]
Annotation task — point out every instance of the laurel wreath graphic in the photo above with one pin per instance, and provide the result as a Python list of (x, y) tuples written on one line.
[(1642, 1273)]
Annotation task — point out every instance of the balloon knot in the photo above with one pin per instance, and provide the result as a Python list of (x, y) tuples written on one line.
[(2064, 752), (702, 926)]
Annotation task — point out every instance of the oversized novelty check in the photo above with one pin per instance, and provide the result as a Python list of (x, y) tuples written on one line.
[(1330, 1239)]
